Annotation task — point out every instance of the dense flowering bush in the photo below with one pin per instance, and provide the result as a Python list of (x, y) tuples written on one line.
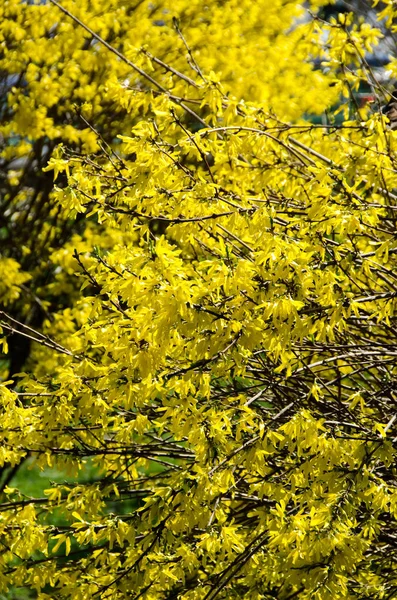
[(208, 294)]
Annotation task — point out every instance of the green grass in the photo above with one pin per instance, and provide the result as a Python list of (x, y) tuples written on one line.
[(31, 481)]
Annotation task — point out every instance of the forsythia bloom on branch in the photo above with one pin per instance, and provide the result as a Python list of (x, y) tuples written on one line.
[(198, 304)]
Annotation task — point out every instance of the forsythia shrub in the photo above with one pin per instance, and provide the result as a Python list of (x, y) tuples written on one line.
[(213, 368), (58, 84)]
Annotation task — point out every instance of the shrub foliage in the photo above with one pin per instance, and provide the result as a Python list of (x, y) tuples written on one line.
[(202, 303)]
